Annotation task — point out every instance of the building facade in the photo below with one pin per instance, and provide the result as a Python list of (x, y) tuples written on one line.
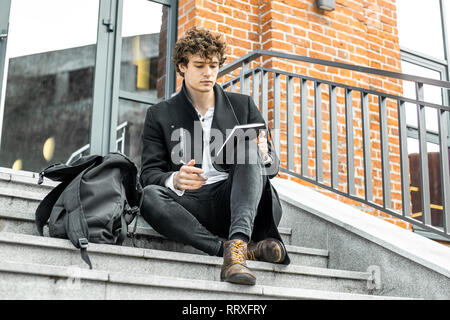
[(77, 77)]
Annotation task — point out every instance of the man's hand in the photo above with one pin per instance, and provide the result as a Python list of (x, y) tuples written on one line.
[(262, 143), (188, 177)]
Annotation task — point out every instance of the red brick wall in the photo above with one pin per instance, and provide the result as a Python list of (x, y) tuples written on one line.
[(360, 32)]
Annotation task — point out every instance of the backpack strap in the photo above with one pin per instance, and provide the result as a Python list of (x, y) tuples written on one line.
[(134, 212), (76, 224), (123, 223), (45, 207), (134, 195)]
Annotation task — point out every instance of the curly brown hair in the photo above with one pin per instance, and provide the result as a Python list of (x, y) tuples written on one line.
[(198, 41)]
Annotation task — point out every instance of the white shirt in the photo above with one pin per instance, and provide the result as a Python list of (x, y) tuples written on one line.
[(207, 167)]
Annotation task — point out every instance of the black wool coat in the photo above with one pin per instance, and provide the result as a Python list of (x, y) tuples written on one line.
[(178, 112)]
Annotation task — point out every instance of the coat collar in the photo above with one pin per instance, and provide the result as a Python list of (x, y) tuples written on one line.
[(224, 116)]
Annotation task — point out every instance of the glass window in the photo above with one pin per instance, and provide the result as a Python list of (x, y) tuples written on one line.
[(129, 130), (420, 27), (49, 81), (144, 33), (143, 69)]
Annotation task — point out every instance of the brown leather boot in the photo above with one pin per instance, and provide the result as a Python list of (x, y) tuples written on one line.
[(268, 250), (234, 268)]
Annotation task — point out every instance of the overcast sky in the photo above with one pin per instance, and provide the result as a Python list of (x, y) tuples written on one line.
[(47, 25)]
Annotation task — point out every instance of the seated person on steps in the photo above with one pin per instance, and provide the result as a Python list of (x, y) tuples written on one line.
[(194, 197)]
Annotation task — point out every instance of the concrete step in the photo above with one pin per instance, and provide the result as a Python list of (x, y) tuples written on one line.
[(20, 196), (17, 215), (50, 251), (22, 204), (146, 237), (20, 193), (38, 281)]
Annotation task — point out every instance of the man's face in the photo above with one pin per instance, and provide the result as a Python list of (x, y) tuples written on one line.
[(200, 74)]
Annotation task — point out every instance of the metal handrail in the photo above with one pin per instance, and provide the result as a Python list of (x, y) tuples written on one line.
[(256, 80), (390, 74), (78, 153)]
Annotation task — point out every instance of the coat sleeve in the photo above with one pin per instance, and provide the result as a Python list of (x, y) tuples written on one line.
[(155, 157), (254, 116)]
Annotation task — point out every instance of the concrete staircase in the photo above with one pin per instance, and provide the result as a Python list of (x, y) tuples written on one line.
[(34, 267)]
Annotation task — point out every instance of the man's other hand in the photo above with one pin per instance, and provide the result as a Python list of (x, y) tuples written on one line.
[(262, 143)]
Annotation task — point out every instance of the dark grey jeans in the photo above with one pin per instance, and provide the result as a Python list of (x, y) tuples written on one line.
[(200, 217)]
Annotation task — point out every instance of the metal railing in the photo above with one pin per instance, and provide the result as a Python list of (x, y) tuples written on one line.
[(347, 139), (120, 144)]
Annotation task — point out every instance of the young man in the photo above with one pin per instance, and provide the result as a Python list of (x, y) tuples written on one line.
[(192, 196)]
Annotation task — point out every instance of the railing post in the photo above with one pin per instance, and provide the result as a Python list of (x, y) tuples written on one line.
[(290, 122), (334, 139), (304, 125), (425, 183), (445, 174), (385, 172), (245, 82), (233, 86), (255, 88), (265, 95), (318, 124), (276, 111), (350, 143), (368, 192), (404, 160)]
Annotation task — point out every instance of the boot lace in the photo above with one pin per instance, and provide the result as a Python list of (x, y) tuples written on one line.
[(251, 252), (251, 255), (237, 252)]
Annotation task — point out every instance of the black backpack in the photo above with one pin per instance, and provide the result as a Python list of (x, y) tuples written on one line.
[(97, 199)]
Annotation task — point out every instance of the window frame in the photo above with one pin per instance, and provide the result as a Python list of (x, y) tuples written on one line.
[(435, 64), (5, 6), (107, 80)]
